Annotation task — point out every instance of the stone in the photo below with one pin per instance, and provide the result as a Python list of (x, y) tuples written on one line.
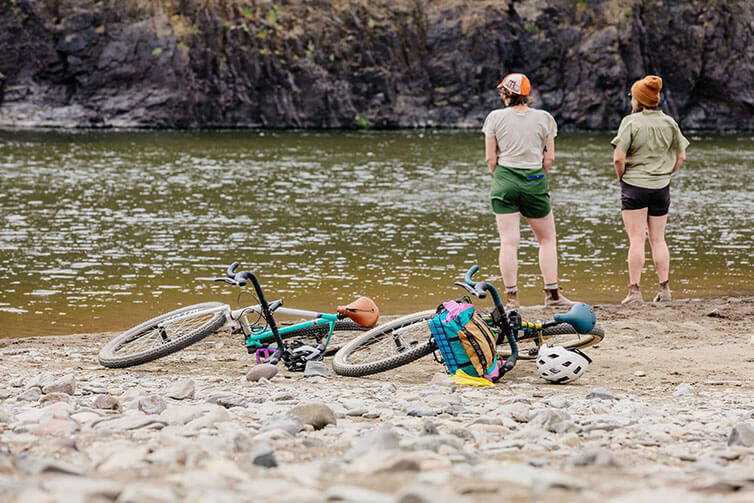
[(32, 394), (602, 458), (600, 393), (141, 492), (356, 494), (55, 427), (288, 423), (131, 422), (429, 428), (742, 434), (419, 409), (381, 438), (35, 465), (263, 455), (683, 389), (227, 399), (106, 402), (5, 416), (263, 370), (316, 368), (151, 404), (182, 390), (66, 384), (318, 415), (212, 416)]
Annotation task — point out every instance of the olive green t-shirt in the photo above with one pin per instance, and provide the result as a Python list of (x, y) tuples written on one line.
[(652, 142)]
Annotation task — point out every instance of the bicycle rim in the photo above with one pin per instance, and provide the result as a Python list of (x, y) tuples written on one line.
[(386, 347), (163, 335), (562, 334)]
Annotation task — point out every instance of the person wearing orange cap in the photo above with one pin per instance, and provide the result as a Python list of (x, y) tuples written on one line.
[(649, 148), (520, 150)]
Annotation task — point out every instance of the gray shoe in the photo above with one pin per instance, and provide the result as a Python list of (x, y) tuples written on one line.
[(553, 298), (511, 300), (663, 293), (634, 295)]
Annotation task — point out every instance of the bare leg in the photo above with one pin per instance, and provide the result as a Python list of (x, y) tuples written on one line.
[(544, 231), (636, 228), (509, 228), (660, 252)]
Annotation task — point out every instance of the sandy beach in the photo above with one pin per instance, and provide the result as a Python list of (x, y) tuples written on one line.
[(664, 413)]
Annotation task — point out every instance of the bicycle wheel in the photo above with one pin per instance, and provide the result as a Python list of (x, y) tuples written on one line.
[(562, 334), (163, 335), (386, 347)]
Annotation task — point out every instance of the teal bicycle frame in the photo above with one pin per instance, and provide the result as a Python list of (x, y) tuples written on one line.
[(257, 337)]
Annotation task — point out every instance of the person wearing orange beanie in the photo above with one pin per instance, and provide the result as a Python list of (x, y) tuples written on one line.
[(649, 148)]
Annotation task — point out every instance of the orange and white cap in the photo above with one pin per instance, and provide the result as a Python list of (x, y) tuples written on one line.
[(516, 83)]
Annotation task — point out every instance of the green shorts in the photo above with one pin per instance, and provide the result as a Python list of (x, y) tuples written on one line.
[(520, 190)]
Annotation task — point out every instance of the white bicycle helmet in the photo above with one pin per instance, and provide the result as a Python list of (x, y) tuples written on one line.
[(560, 365)]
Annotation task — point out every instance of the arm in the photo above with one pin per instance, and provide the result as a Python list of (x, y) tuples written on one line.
[(679, 161), (619, 160), (490, 152), (549, 155)]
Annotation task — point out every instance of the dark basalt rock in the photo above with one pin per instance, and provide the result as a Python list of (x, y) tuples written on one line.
[(382, 64)]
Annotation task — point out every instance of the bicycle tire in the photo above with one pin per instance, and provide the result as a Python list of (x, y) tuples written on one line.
[(118, 353), (527, 341), (361, 357)]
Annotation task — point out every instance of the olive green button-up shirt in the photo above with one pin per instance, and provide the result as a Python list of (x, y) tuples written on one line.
[(652, 142)]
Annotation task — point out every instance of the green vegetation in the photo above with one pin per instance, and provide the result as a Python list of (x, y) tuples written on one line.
[(371, 23), (156, 52), (362, 122), (248, 12), (274, 14), (531, 27), (309, 51), (628, 12), (332, 58)]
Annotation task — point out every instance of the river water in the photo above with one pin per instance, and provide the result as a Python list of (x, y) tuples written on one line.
[(102, 230)]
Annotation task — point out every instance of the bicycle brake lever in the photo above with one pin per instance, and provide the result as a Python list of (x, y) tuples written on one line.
[(276, 357), (473, 290)]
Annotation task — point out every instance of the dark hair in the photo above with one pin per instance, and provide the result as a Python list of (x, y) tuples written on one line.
[(515, 99)]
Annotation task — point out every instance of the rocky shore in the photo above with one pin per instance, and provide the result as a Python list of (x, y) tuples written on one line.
[(365, 63), (664, 414)]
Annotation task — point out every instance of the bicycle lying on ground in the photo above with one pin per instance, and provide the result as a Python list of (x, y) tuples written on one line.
[(408, 338), (171, 332)]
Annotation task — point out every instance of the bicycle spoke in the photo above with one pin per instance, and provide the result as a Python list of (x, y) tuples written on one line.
[(166, 332), (396, 341)]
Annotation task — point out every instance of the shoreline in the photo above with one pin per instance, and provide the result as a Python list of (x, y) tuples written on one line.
[(664, 413)]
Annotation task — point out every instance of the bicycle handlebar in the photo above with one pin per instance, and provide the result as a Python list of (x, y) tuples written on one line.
[(480, 288), (239, 279)]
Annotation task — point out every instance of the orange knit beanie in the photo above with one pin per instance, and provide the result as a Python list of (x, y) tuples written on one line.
[(647, 90)]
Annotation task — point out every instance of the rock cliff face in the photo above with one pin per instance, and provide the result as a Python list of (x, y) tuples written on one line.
[(367, 63)]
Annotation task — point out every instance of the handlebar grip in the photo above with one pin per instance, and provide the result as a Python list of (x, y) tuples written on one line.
[(467, 279), (231, 269)]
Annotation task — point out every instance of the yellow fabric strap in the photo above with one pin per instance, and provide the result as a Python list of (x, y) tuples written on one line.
[(461, 377)]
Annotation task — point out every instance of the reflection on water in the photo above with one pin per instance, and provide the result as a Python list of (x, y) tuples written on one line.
[(101, 230)]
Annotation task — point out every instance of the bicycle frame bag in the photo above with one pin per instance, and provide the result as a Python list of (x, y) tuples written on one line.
[(465, 341)]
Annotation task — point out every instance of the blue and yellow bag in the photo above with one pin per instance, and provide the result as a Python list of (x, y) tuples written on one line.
[(465, 341)]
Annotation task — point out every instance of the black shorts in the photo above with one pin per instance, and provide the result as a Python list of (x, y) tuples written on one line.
[(657, 201)]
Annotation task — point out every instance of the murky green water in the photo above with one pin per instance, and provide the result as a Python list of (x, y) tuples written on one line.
[(101, 230)]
